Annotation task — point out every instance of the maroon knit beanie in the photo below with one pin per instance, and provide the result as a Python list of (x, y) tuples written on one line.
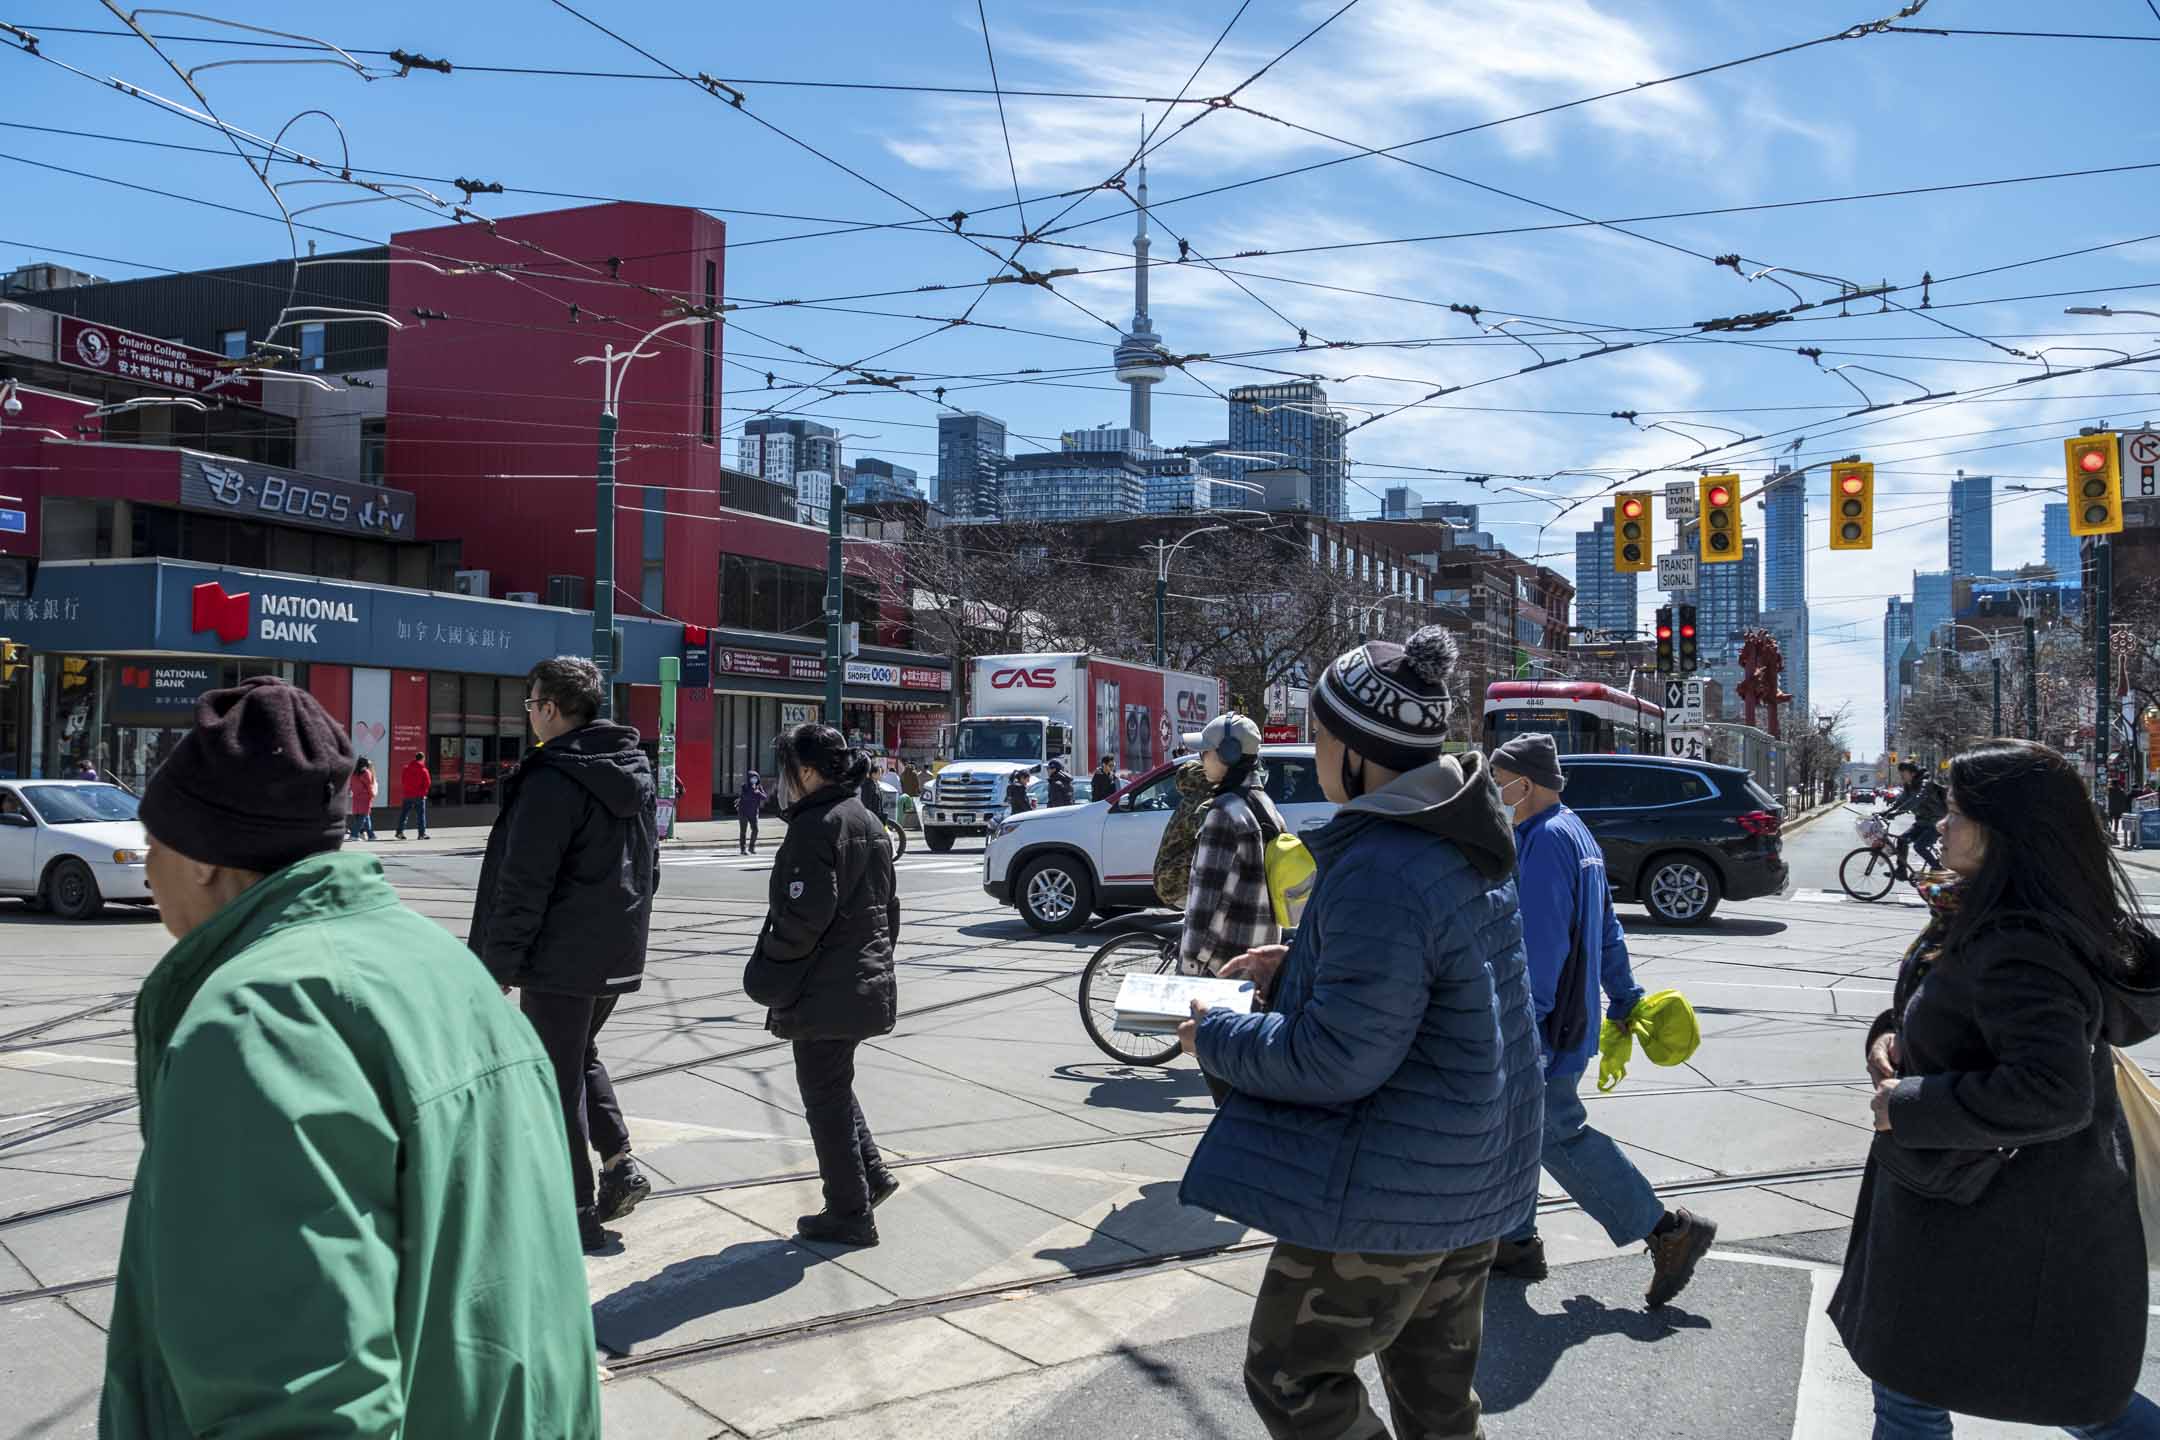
[(258, 783)]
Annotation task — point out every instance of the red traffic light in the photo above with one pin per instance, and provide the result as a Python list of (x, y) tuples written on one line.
[(2091, 460), (1687, 632), (1664, 632), (1631, 509), (1719, 495), (1851, 484)]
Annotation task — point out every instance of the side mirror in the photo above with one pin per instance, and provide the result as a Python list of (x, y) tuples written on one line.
[(20, 821)]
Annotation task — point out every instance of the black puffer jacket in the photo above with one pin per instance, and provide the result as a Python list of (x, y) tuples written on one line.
[(2030, 1303), (824, 961), (566, 890)]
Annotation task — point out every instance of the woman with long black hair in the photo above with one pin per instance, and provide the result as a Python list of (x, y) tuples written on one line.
[(1997, 1264), (824, 964)]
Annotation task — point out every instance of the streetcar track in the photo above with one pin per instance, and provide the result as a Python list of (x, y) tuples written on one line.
[(26, 1046), (30, 1031)]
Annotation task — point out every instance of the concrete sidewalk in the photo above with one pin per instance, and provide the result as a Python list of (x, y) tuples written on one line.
[(456, 839)]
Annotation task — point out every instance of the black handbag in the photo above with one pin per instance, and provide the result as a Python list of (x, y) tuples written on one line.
[(1958, 1177)]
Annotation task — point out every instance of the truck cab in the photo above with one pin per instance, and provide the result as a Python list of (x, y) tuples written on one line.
[(967, 797)]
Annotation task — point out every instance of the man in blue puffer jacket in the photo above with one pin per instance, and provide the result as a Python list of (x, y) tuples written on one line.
[(1385, 1111)]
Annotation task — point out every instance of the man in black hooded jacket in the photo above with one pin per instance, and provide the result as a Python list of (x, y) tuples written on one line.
[(564, 902)]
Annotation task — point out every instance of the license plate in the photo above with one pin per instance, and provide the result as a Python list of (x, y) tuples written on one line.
[(963, 819)]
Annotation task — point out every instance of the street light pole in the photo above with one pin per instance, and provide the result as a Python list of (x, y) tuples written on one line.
[(1995, 666), (835, 588), (2103, 580), (1163, 551)]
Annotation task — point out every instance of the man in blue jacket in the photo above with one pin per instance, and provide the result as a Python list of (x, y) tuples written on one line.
[(1383, 1115), (1577, 950)]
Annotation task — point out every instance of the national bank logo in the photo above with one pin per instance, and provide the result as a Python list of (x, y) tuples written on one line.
[(224, 615)]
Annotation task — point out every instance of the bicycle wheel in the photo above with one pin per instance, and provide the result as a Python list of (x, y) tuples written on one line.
[(1126, 955), (897, 838), (1871, 879)]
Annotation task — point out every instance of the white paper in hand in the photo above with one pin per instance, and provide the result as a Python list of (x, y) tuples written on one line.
[(1158, 1003)]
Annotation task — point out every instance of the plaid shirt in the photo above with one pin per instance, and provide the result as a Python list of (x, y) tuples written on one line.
[(1227, 910)]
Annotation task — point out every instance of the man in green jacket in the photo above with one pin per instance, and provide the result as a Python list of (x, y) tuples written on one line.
[(348, 1216)]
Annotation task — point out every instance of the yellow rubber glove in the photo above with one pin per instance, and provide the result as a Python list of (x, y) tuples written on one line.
[(1616, 1046)]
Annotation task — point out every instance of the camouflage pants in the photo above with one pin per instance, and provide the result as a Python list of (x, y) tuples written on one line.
[(1318, 1314)]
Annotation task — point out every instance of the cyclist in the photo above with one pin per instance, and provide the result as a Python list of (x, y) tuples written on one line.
[(1227, 910), (1924, 800)]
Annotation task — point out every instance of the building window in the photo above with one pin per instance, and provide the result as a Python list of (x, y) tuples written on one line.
[(712, 346), (374, 442), (232, 344), (311, 346)]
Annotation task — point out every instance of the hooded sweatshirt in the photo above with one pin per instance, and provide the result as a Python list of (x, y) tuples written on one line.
[(572, 863), (1390, 1100)]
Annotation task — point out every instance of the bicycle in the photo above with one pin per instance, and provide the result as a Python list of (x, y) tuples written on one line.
[(895, 836), (1140, 954), (1882, 855)]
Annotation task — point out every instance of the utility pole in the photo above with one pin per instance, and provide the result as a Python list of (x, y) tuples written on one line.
[(2032, 677), (603, 607), (2103, 582), (835, 588), (1162, 604), (1995, 668)]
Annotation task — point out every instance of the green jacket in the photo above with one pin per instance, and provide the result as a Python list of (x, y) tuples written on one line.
[(352, 1215)]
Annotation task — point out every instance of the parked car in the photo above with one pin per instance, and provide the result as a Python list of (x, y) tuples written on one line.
[(71, 845), (1863, 796), (1679, 837), (1060, 867)]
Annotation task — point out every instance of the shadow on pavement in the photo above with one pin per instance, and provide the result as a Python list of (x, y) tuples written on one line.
[(1717, 927), (115, 912), (1523, 1347), (1138, 1089), (738, 1276), (1156, 1221)]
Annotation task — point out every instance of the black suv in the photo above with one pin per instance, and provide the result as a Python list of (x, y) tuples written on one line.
[(1678, 837)]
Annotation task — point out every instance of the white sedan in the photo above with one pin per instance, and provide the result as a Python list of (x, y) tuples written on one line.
[(71, 845)]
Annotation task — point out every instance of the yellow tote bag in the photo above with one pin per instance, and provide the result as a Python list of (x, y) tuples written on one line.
[(2140, 1101)]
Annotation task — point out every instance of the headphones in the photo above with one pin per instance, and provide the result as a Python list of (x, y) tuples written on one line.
[(1232, 749)]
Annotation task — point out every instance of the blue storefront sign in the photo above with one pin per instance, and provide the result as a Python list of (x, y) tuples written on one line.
[(14, 522), (173, 607)]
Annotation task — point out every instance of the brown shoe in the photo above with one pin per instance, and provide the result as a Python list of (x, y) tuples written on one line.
[(1676, 1253)]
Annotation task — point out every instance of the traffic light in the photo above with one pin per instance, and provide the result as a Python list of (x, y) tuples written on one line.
[(74, 673), (1664, 640), (12, 658), (1852, 506), (2094, 463), (1631, 532), (1687, 639), (1718, 532)]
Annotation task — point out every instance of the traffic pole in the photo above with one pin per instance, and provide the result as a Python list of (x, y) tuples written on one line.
[(2032, 678), (603, 610), (2103, 582), (670, 682), (835, 587), (1995, 668), (1162, 601)]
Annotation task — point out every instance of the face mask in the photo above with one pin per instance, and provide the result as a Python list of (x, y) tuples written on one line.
[(1511, 804)]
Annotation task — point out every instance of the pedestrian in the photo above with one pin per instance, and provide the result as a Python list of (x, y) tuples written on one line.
[(1017, 799), (1996, 1265), (1104, 782), (85, 770), (910, 780), (360, 820), (1060, 785), (1921, 797), (872, 794), (343, 1220), (1576, 950), (824, 966), (1383, 1120), (748, 802), (413, 786), (1227, 909), (562, 910), (1174, 851)]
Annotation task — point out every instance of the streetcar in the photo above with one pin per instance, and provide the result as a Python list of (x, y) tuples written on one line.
[(1583, 717)]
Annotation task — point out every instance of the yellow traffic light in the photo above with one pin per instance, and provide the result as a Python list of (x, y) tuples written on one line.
[(2094, 466), (1718, 531), (74, 671), (1852, 506), (12, 658), (1631, 532)]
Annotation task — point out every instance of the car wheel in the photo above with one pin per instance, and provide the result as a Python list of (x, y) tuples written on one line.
[(1056, 894), (72, 891), (1679, 890), (939, 841)]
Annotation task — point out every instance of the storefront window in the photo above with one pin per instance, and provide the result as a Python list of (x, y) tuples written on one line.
[(77, 529), (510, 719), (446, 739), (480, 727)]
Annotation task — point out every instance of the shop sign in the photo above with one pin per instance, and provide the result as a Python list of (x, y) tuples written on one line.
[(1280, 734), (924, 677), (793, 715), (810, 669), (864, 672), (126, 355), (265, 492), (161, 691), (696, 658)]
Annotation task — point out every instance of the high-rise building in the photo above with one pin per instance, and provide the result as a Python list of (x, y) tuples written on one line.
[(1897, 636), (2061, 552), (1400, 502), (1139, 352), (1785, 542), (801, 456), (1290, 426), (1056, 485), (1728, 603), (878, 482), (1604, 599), (1972, 525), (1933, 603), (971, 447)]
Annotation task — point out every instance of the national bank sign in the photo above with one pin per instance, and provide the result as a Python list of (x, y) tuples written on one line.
[(285, 619)]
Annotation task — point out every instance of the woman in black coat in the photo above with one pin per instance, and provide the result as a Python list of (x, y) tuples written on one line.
[(824, 964), (1997, 1262)]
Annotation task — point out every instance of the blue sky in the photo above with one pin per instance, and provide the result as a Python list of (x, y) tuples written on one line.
[(1880, 112)]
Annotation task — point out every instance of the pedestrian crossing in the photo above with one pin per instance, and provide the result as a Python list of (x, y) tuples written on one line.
[(730, 860)]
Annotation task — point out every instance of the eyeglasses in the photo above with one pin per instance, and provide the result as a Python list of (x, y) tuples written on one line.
[(530, 702)]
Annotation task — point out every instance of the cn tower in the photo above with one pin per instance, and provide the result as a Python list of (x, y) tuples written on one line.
[(1139, 352)]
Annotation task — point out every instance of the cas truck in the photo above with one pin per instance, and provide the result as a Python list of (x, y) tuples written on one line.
[(1024, 711)]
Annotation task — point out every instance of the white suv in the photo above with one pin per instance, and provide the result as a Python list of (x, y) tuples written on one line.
[(1060, 867)]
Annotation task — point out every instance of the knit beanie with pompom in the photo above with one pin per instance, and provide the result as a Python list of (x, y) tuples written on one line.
[(1390, 703)]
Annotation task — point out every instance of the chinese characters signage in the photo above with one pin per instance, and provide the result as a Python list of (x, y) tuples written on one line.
[(810, 669), (125, 355), (264, 492)]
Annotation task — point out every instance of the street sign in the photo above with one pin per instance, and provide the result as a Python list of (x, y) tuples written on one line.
[(1683, 705), (1676, 571), (14, 522), (1680, 499), (1687, 744), (2141, 465)]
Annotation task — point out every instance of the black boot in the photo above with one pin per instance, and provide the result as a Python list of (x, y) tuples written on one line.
[(1521, 1259), (882, 1186), (590, 1235), (837, 1229), (622, 1188)]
